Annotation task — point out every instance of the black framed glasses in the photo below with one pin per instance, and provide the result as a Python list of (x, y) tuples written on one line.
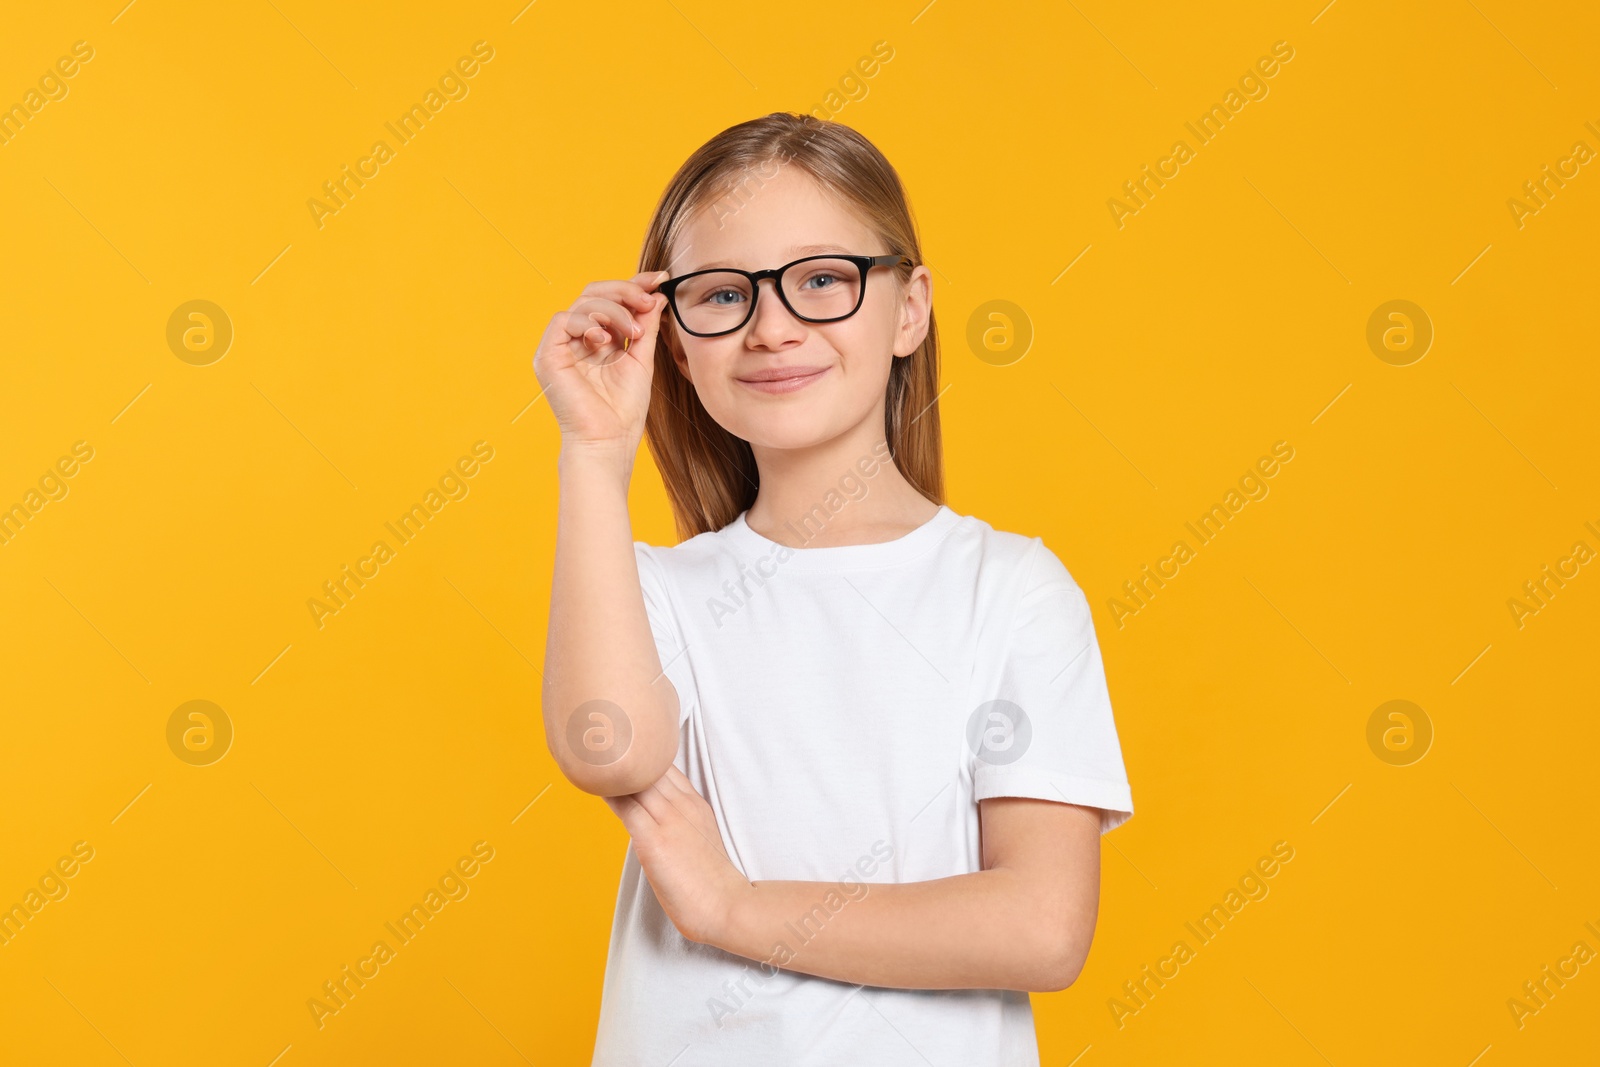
[(825, 288)]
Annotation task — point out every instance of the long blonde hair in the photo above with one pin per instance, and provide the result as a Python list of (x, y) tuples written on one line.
[(710, 474)]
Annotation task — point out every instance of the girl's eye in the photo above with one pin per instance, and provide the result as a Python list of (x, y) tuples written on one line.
[(714, 297), (823, 276)]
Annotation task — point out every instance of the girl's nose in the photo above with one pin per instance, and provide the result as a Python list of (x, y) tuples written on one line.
[(772, 324)]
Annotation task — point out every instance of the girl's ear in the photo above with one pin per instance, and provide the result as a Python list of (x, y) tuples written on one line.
[(914, 311), (666, 332), (679, 359)]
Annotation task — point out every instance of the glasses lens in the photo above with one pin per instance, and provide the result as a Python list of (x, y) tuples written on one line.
[(817, 289), (823, 288), (713, 302)]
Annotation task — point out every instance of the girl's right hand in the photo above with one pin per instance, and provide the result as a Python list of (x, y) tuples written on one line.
[(596, 359)]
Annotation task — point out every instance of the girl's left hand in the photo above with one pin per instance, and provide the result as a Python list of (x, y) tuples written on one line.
[(676, 838)]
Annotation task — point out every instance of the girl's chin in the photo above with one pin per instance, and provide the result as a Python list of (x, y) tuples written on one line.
[(796, 438)]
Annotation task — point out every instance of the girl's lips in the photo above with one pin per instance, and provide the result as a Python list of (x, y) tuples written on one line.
[(784, 385)]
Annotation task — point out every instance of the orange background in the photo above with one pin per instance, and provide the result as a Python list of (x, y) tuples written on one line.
[(370, 353)]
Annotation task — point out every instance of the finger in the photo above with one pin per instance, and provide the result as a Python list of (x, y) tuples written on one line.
[(666, 802), (649, 281), (616, 326), (627, 810), (599, 311), (636, 292), (684, 797), (569, 329), (561, 332), (595, 341), (651, 326), (676, 782), (654, 803)]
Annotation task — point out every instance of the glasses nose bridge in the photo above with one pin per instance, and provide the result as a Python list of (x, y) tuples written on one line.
[(775, 275), (771, 272)]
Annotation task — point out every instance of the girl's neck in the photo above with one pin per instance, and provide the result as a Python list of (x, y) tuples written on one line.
[(829, 501)]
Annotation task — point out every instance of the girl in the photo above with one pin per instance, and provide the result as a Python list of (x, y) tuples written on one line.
[(861, 743)]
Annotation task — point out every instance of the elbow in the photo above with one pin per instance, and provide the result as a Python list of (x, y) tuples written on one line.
[(633, 771), (628, 776), (1056, 976), (612, 759), (1064, 954), (1058, 972)]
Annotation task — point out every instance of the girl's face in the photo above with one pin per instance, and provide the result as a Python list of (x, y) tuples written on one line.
[(782, 219)]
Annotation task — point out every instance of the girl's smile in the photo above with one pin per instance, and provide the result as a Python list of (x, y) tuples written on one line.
[(780, 380)]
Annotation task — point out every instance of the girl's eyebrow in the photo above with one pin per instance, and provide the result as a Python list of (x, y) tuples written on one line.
[(795, 252)]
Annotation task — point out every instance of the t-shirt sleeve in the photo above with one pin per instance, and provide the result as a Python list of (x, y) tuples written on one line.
[(1048, 733), (670, 643)]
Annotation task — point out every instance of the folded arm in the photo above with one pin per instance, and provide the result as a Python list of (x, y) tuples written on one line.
[(1024, 922)]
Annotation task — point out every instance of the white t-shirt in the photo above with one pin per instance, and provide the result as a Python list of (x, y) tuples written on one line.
[(844, 709)]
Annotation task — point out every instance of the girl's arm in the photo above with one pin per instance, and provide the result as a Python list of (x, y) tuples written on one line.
[(610, 715), (1025, 921), (600, 664)]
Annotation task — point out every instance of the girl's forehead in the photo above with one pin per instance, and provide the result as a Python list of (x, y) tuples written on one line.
[(752, 221), (752, 197)]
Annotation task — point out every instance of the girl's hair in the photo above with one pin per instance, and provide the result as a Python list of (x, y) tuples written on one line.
[(710, 474)]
